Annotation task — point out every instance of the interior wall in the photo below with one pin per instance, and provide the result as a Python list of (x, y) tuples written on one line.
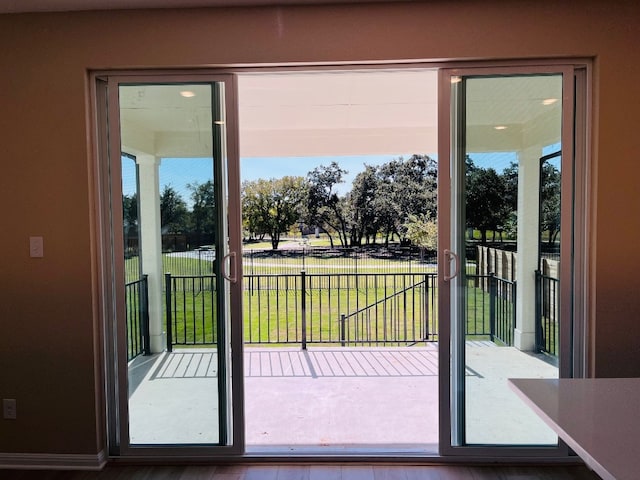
[(47, 315)]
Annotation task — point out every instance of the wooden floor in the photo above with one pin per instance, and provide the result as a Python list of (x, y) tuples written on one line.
[(308, 472)]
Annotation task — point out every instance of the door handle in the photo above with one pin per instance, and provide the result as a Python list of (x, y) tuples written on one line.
[(225, 274), (451, 256)]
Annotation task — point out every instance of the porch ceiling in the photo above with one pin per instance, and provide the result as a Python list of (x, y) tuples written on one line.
[(336, 113)]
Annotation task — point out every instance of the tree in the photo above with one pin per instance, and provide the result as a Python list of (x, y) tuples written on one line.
[(363, 217), (550, 200), (509, 223), (486, 208), (386, 208), (203, 217), (407, 187), (272, 206), (255, 207), (422, 230), (130, 211), (324, 207), (130, 220), (253, 210), (173, 211)]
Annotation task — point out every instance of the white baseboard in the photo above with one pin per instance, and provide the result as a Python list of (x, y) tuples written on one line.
[(52, 461)]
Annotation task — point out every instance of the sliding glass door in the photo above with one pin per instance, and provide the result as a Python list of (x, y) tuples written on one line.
[(175, 220), (506, 192), (511, 257)]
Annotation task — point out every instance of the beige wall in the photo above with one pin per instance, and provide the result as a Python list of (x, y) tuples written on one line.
[(46, 313)]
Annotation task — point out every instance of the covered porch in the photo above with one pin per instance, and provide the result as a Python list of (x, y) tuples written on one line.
[(334, 399)]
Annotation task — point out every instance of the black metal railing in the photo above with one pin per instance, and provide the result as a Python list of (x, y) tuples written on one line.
[(137, 318), (547, 314), (190, 309), (305, 308), (502, 309), (308, 308), (338, 309), (275, 308), (405, 317), (491, 308)]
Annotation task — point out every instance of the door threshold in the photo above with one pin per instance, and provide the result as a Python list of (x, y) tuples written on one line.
[(344, 451)]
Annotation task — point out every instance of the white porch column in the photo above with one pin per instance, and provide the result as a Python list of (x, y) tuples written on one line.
[(151, 245), (527, 258)]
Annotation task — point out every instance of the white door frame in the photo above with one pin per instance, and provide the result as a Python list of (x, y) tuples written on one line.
[(574, 268), (111, 262), (107, 264)]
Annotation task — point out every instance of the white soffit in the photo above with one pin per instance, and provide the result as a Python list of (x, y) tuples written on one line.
[(291, 115), (338, 113), (326, 113)]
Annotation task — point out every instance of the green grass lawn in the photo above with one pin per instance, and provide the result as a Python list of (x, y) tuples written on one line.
[(273, 312), (274, 315), (305, 241), (280, 264), (273, 306), (194, 317)]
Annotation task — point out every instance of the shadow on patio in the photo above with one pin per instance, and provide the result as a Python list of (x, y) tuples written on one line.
[(333, 399)]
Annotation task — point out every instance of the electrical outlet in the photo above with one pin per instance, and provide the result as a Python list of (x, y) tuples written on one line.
[(9, 408)]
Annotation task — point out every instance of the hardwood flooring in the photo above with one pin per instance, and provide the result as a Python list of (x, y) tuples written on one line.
[(310, 472)]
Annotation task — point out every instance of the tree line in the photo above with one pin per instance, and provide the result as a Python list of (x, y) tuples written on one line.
[(393, 201), (492, 200), (175, 215), (382, 202)]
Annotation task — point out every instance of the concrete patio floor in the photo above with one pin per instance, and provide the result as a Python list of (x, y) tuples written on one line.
[(337, 399)]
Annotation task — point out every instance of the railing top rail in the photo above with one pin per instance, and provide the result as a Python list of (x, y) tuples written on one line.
[(385, 299), (545, 277), (504, 280), (270, 275), (323, 275), (143, 278), (190, 276), (344, 274)]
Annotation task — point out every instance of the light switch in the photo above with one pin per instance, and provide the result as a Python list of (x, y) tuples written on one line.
[(36, 247)]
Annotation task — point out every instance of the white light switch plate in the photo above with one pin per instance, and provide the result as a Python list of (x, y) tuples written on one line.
[(36, 247), (9, 409)]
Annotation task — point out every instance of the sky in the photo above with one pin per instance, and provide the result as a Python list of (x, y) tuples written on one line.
[(179, 172), (255, 168)]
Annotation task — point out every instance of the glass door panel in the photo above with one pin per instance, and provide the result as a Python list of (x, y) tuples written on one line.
[(505, 234), (178, 266), (508, 126)]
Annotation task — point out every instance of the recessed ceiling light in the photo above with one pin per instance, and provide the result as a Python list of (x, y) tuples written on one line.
[(549, 101), (500, 127), (187, 94)]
